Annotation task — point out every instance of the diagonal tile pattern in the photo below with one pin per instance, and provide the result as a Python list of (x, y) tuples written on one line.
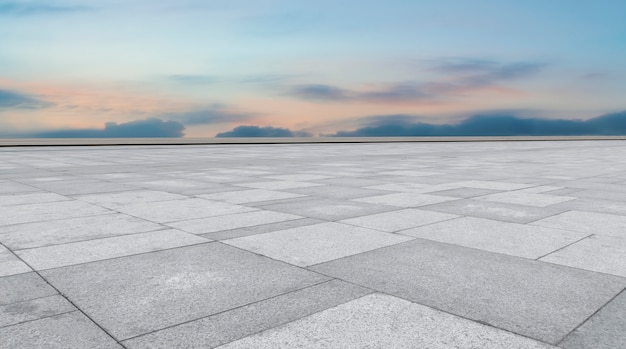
[(382, 245)]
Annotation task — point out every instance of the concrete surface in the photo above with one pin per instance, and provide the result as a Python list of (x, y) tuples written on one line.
[(383, 245)]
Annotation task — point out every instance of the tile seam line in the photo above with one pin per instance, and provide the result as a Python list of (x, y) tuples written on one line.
[(231, 309), (563, 247), (40, 318), (590, 316), (25, 300), (69, 301)]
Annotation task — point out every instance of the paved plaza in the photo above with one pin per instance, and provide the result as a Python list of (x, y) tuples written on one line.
[(373, 245)]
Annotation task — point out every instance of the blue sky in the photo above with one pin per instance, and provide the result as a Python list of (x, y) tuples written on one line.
[(313, 66)]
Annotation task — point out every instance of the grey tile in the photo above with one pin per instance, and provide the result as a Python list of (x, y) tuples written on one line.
[(15, 313), (261, 229), (337, 192), (464, 193), (594, 205), (495, 185), (95, 250), (22, 287), (247, 196), (405, 199), (114, 200), (524, 198), (605, 330), (48, 211), (509, 238), (232, 221), (135, 295), (350, 181), (495, 210), (66, 331), (535, 299), (83, 187), (313, 244), (302, 177), (62, 231), (328, 209), (398, 220), (605, 254), (411, 187), (10, 264), (30, 198), (225, 327), (179, 210), (587, 222), (278, 185), (382, 321), (10, 187)]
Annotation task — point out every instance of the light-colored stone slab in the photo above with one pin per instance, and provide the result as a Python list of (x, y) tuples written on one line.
[(499, 211), (587, 222), (599, 206), (38, 234), (135, 295), (10, 264), (503, 237), (541, 189), (278, 185), (261, 229), (382, 321), (536, 299), (114, 200), (337, 192), (48, 211), (15, 313), (179, 210), (464, 192), (30, 198), (299, 177), (247, 196), (605, 330), (23, 287), (524, 198), (66, 331), (327, 209), (9, 187), (398, 220), (491, 185), (95, 250), (225, 327), (313, 244), (405, 199), (605, 254), (232, 221)]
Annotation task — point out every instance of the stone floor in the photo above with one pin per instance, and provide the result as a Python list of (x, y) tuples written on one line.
[(388, 245)]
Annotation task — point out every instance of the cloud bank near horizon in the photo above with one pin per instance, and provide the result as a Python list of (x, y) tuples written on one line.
[(151, 127)]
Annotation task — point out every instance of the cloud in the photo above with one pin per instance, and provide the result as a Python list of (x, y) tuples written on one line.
[(151, 127), (191, 79), (27, 8), (212, 115), (17, 100), (493, 125), (257, 131), (458, 76)]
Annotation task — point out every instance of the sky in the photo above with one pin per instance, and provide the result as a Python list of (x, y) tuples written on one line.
[(205, 68)]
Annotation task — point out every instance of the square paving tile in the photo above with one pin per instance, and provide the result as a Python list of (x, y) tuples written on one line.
[(215, 330), (48, 211), (495, 185), (134, 295), (114, 200), (10, 264), (587, 222), (529, 199), (66, 331), (15, 313), (605, 330), (594, 205), (539, 300), (503, 237), (94, 250), (313, 244), (278, 185), (62, 231), (605, 254), (247, 196), (232, 221), (30, 198), (405, 199), (23, 287), (398, 220), (179, 210), (495, 210), (464, 193), (261, 229), (382, 321), (328, 209), (337, 192)]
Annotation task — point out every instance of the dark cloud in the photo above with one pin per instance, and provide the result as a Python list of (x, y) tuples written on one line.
[(459, 76), (16, 100), (257, 131), (212, 115), (152, 127), (493, 125), (36, 8)]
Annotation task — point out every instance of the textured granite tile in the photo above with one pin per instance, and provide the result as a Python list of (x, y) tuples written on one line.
[(464, 193), (382, 321), (509, 238), (232, 221), (605, 330), (48, 211), (328, 209), (22, 287), (247, 196), (605, 254), (405, 199), (30, 198), (14, 313), (494, 210), (495, 185), (278, 185), (134, 295), (62, 231), (114, 200), (99, 249), (587, 222), (539, 300), (337, 192), (10, 264), (524, 198), (225, 327), (312, 244), (66, 331), (179, 210), (398, 220), (261, 229), (593, 205)]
